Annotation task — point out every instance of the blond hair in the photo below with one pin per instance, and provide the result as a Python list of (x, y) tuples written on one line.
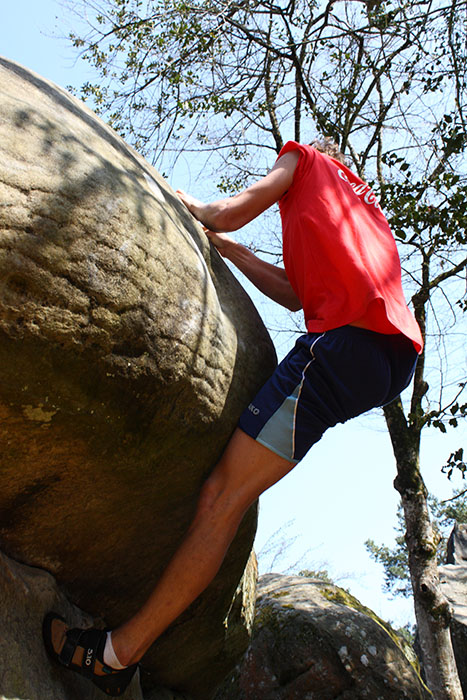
[(330, 148)]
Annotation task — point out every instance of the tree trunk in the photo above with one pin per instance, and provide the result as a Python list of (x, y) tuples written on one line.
[(432, 610)]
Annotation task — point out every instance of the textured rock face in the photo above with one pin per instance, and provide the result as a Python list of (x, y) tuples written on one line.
[(453, 580), (312, 641), (127, 352), (457, 545)]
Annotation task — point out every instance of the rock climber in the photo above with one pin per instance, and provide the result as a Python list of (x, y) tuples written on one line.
[(359, 351)]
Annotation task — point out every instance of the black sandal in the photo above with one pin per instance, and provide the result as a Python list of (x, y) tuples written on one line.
[(113, 682)]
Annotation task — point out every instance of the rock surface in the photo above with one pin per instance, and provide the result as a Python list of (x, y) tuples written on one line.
[(313, 641), (457, 545), (26, 673), (127, 352), (453, 580)]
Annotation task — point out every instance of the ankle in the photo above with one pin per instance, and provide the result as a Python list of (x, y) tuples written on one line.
[(110, 658), (123, 652)]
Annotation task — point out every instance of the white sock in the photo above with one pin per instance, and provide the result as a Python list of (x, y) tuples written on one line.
[(110, 657)]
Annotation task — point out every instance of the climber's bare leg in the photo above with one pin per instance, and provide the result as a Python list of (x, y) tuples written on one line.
[(245, 470)]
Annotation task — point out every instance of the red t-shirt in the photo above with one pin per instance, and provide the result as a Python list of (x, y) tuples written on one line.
[(339, 253)]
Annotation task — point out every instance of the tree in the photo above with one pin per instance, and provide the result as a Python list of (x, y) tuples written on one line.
[(233, 79), (395, 560)]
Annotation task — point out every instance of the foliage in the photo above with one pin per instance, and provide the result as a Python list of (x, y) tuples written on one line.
[(319, 574), (242, 76), (407, 633), (394, 560), (455, 461)]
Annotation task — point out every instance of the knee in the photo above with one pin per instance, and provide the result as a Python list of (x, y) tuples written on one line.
[(219, 499), (211, 493)]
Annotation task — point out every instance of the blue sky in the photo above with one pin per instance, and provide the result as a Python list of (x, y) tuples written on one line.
[(342, 492), (30, 32)]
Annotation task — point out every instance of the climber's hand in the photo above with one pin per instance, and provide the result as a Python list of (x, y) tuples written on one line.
[(190, 202), (221, 241)]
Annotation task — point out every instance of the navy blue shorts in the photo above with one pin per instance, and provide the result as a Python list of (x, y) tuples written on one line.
[(325, 379)]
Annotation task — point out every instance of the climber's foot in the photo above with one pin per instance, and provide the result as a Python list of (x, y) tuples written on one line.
[(82, 651)]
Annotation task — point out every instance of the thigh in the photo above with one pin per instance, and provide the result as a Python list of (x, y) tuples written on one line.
[(247, 469), (271, 417), (328, 378)]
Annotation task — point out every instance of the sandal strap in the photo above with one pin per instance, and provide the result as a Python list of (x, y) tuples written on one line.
[(71, 642), (92, 641)]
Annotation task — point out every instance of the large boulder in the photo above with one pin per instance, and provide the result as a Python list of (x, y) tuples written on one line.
[(127, 352), (313, 641)]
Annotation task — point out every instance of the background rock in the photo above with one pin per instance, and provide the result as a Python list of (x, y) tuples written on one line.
[(457, 545), (314, 641), (453, 580), (127, 352)]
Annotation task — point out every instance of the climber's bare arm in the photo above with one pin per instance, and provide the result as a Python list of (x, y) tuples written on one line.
[(234, 212), (269, 279)]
